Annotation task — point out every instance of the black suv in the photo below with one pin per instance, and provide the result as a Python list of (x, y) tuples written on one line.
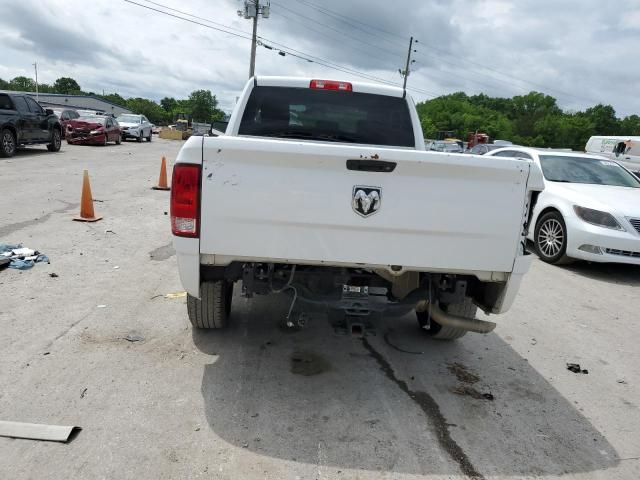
[(24, 122)]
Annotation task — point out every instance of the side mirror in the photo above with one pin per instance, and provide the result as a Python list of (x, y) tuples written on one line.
[(48, 111)]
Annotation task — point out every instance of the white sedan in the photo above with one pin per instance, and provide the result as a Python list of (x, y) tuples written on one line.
[(134, 126), (589, 209)]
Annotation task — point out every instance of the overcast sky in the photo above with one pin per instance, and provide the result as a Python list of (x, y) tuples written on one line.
[(580, 51)]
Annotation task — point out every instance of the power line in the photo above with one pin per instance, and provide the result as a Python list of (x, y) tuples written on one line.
[(193, 16), (289, 50), (371, 28), (348, 20), (188, 20), (322, 33), (394, 54)]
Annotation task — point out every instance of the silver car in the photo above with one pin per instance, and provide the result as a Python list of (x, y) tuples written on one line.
[(135, 126)]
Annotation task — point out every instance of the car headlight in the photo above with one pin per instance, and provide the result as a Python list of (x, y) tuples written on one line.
[(95, 132), (597, 217)]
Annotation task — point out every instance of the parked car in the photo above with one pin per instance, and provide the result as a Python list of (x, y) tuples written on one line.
[(93, 130), (64, 116), (24, 122), (589, 209), (625, 150), (483, 148), (444, 146), (369, 220), (135, 126), (155, 129)]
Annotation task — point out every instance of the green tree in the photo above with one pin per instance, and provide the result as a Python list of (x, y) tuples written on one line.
[(114, 98), (630, 125), (148, 108), (4, 85), (203, 106), (529, 109), (168, 104), (66, 85), (604, 119), (429, 129), (22, 84)]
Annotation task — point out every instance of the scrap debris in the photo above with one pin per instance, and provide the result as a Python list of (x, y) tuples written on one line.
[(171, 295), (575, 368), (20, 258), (33, 431), (132, 337)]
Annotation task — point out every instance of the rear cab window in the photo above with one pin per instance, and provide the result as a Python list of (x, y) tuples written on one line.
[(326, 115)]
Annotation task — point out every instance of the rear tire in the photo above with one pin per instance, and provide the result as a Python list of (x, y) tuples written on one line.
[(211, 311), (56, 140), (465, 309), (8, 144)]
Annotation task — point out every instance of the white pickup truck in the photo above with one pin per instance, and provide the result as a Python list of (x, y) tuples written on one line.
[(324, 189)]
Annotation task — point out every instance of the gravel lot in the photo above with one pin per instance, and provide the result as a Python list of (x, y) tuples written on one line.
[(261, 401)]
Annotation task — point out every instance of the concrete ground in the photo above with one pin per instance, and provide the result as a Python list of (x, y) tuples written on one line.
[(261, 401)]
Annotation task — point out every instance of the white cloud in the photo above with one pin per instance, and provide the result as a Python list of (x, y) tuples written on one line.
[(581, 52)]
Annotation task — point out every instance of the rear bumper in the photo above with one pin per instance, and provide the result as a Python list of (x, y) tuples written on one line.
[(188, 255), (521, 266)]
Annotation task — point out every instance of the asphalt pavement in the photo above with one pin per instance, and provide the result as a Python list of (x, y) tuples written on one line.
[(106, 345)]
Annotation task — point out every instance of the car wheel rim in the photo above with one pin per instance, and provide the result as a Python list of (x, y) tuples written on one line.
[(7, 142), (551, 238)]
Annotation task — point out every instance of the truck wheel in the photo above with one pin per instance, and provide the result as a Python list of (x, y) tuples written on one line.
[(56, 141), (551, 238), (465, 309), (7, 143), (212, 310)]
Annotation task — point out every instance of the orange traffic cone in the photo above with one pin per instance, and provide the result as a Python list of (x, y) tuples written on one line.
[(162, 182), (86, 202)]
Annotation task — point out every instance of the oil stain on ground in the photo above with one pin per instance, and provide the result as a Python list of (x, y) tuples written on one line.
[(308, 364), (14, 227), (462, 373), (467, 379), (162, 253), (432, 410)]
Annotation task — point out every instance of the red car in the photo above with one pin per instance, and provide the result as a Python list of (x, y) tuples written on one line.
[(65, 116), (93, 130)]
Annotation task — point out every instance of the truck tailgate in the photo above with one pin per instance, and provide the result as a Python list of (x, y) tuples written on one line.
[(292, 201)]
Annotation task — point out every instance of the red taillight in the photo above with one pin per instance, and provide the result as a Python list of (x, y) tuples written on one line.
[(331, 85), (185, 200)]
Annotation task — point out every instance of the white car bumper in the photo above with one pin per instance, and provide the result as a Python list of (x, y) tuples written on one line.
[(599, 244)]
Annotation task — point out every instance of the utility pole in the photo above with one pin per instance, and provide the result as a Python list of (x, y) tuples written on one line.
[(35, 65), (252, 9), (405, 72)]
